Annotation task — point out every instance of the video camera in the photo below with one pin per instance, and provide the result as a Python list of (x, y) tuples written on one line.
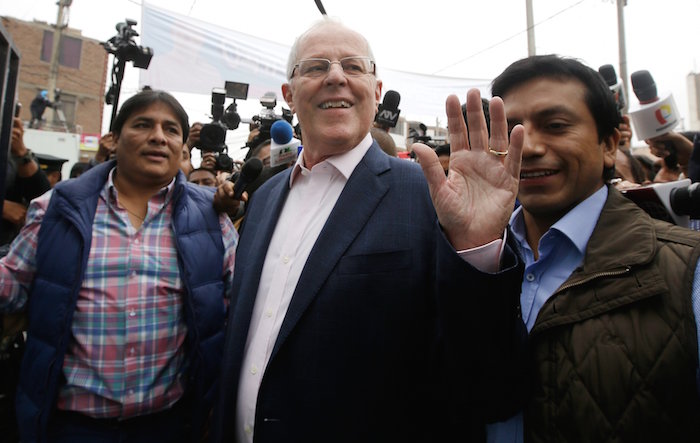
[(266, 118), (419, 134), (675, 202), (123, 45), (212, 137)]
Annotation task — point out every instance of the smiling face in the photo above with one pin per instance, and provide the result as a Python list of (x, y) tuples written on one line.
[(149, 147), (335, 111), (563, 159)]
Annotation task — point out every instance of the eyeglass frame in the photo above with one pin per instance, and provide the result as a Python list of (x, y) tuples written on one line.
[(331, 62)]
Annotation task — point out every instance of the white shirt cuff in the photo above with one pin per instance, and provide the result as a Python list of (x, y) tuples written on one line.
[(486, 258)]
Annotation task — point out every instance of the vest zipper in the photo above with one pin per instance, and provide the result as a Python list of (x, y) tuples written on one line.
[(591, 277)]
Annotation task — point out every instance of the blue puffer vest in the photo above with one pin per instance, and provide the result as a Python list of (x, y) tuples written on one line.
[(61, 257)]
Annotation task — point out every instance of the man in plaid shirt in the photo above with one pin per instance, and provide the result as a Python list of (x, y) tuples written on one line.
[(123, 273)]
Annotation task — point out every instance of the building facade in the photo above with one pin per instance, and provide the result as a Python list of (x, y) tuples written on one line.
[(82, 74)]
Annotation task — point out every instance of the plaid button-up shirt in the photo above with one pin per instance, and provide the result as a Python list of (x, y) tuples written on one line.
[(126, 355)]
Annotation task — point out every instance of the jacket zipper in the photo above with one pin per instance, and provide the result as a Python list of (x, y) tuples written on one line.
[(597, 275)]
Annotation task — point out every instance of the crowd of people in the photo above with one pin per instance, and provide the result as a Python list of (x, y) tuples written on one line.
[(502, 289)]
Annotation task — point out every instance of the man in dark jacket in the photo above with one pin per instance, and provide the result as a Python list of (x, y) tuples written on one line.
[(610, 296), (357, 316), (123, 273), (37, 108)]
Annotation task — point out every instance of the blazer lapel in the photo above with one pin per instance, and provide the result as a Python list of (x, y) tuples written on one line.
[(356, 204)]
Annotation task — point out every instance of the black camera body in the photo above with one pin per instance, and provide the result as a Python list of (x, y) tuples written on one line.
[(123, 45), (212, 137), (267, 117)]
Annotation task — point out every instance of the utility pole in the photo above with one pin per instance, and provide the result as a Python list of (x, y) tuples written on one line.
[(63, 9), (530, 29), (622, 48)]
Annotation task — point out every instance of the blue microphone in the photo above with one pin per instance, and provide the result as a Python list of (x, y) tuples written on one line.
[(284, 148)]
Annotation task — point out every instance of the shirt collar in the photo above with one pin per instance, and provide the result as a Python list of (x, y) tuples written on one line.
[(345, 163), (109, 192), (577, 225)]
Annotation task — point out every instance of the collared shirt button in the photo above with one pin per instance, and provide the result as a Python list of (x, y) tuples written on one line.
[(253, 370), (285, 259), (248, 429), (132, 313), (530, 277), (268, 314), (132, 351)]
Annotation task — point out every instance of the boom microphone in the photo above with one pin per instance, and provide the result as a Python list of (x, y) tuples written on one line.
[(610, 76), (389, 111), (249, 172), (284, 148)]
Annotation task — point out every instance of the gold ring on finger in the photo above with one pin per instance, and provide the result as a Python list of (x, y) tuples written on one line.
[(498, 153)]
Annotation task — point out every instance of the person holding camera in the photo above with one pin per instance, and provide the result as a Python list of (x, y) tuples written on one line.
[(37, 108), (610, 296), (356, 315), (124, 273)]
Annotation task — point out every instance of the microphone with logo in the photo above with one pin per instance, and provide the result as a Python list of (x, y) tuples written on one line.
[(610, 76), (654, 116), (388, 114), (676, 201), (284, 148)]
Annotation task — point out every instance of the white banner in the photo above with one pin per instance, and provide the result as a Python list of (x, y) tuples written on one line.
[(193, 56)]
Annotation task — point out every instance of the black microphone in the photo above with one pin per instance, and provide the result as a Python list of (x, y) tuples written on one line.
[(249, 172), (644, 87), (389, 111), (610, 76)]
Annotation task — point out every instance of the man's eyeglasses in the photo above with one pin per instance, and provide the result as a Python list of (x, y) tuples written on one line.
[(318, 67)]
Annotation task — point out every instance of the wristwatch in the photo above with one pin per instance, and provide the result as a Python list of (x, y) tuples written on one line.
[(27, 158)]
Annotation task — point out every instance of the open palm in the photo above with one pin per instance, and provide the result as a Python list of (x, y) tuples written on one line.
[(475, 200)]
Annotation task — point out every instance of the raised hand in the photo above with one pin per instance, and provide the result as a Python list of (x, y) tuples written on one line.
[(476, 199)]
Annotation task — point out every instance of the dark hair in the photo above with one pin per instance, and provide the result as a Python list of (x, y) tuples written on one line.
[(638, 172), (598, 98), (253, 152), (145, 99), (78, 168), (443, 150), (213, 172)]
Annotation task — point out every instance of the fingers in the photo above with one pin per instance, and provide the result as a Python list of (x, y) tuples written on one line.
[(226, 188), (499, 125), (456, 126), (478, 132), (434, 174), (515, 151)]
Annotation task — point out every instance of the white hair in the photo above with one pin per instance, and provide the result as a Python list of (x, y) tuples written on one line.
[(326, 21)]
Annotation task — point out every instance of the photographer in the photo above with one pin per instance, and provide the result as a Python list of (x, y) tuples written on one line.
[(37, 108), (24, 181)]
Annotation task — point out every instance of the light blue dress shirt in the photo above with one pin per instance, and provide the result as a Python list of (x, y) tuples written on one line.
[(561, 251)]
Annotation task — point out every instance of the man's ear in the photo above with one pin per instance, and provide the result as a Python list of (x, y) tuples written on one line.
[(378, 94), (609, 145), (287, 94)]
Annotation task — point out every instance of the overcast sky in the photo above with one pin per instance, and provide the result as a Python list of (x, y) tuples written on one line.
[(467, 38)]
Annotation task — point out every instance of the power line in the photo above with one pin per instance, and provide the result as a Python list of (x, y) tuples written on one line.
[(508, 38), (192, 7)]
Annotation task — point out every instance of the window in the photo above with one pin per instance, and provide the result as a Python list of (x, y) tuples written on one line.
[(69, 50)]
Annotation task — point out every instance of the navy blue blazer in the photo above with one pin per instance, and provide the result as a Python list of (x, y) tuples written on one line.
[(389, 336)]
